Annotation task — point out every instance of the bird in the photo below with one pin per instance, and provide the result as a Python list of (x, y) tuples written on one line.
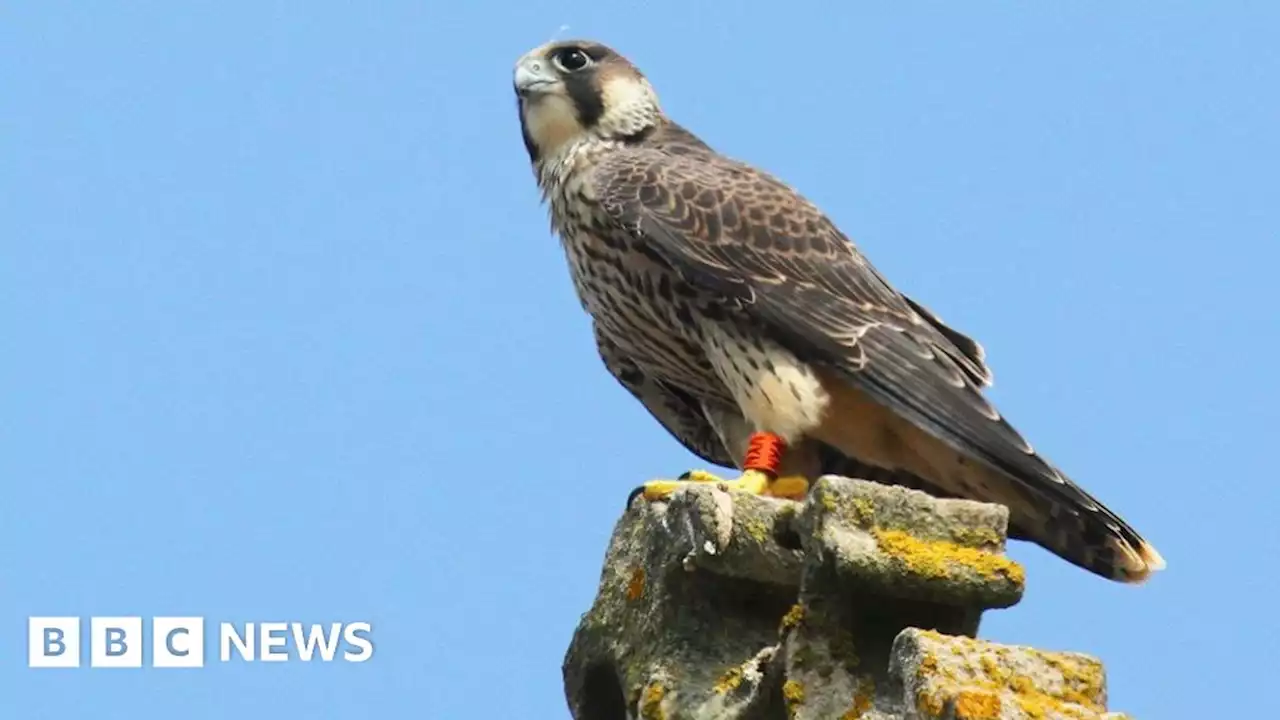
[(757, 333)]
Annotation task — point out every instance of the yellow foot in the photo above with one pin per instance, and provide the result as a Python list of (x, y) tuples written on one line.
[(755, 482), (791, 487), (751, 481)]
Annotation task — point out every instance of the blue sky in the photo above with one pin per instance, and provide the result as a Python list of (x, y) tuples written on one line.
[(287, 336)]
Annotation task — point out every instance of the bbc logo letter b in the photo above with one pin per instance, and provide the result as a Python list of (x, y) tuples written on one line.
[(53, 642), (115, 642)]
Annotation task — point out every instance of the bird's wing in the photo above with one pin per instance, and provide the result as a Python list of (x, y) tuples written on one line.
[(677, 411), (755, 243), (976, 367)]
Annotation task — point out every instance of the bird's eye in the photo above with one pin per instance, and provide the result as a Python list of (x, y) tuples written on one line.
[(571, 59)]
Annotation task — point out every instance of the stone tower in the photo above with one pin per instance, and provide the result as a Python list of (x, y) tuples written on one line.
[(862, 602)]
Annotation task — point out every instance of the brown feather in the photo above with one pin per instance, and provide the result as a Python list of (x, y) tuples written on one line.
[(1080, 532), (720, 283)]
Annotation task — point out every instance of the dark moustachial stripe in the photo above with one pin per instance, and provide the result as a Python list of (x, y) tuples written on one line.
[(586, 97)]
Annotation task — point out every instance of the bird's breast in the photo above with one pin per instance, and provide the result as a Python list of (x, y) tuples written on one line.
[(642, 306)]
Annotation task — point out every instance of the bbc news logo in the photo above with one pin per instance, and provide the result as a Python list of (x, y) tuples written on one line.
[(178, 642)]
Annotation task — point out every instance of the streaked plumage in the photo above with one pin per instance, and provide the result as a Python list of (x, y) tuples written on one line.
[(729, 304)]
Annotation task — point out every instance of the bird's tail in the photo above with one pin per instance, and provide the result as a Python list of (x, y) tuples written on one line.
[(1071, 524), (1083, 531)]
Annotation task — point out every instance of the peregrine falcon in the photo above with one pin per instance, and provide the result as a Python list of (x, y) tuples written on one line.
[(758, 335)]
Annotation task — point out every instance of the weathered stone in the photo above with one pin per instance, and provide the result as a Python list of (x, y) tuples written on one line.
[(727, 605), (970, 679), (902, 543)]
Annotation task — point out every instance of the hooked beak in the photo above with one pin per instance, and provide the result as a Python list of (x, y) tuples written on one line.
[(533, 76)]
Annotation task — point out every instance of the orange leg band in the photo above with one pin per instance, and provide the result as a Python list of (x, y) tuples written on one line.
[(764, 453)]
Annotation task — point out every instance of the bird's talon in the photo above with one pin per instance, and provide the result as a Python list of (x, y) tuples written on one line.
[(754, 482)]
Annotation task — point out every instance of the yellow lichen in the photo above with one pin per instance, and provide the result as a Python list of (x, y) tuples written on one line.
[(864, 511), (635, 586), (651, 702), (976, 692), (1078, 697), (1082, 680), (977, 705), (1039, 706), (930, 704), (976, 537), (938, 558), (991, 668), (793, 693), (793, 617), (861, 699), (827, 501), (729, 681), (757, 529)]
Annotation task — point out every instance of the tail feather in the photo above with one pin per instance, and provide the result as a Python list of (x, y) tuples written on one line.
[(1092, 537), (1084, 533)]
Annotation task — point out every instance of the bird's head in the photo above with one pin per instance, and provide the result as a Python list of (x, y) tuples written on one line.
[(573, 90)]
